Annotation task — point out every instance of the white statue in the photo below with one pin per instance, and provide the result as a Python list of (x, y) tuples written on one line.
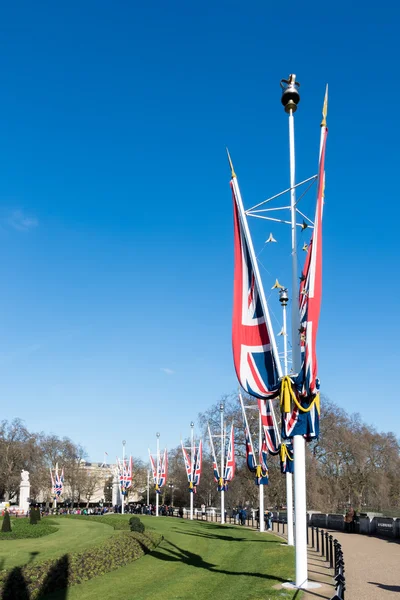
[(24, 476)]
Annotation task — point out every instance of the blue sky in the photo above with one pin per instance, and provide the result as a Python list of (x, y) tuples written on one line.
[(115, 208)]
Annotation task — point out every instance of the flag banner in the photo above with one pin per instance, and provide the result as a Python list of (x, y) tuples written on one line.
[(262, 469), (217, 478), (57, 482), (230, 460), (302, 418), (250, 459), (252, 337), (188, 466), (271, 433), (198, 459), (311, 292), (153, 468), (126, 475), (287, 458)]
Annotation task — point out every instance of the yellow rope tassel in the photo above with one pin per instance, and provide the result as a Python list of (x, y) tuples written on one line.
[(285, 453), (258, 471), (220, 482), (190, 486), (287, 393)]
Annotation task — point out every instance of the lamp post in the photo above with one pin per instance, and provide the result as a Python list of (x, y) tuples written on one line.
[(192, 466), (158, 471), (221, 409), (171, 487), (123, 470), (284, 299)]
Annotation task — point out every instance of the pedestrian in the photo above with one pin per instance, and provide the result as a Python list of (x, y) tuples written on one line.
[(349, 519), (180, 512)]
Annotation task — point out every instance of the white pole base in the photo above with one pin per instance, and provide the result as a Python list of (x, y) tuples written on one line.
[(307, 585)]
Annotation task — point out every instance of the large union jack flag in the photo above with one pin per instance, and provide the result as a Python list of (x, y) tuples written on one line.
[(311, 290), (252, 337)]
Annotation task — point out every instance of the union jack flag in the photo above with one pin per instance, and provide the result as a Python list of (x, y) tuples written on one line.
[(306, 386), (230, 460), (252, 337), (57, 482), (287, 460), (262, 470), (269, 426), (198, 460), (125, 475), (250, 459), (188, 464), (160, 471)]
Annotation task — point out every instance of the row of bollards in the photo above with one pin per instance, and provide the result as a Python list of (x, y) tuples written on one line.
[(331, 549)]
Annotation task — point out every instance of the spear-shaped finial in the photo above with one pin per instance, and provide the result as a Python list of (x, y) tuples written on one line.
[(325, 108), (231, 164)]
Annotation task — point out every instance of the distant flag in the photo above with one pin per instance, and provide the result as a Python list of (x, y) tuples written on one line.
[(198, 460), (262, 469), (217, 477), (57, 482), (230, 463), (287, 458)]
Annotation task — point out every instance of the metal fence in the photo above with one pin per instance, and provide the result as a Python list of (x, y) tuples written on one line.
[(331, 550)]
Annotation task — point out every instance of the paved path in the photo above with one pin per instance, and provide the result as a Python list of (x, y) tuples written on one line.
[(372, 569)]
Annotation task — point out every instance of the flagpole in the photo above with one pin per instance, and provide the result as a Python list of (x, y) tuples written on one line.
[(261, 486), (192, 466), (283, 299), (123, 477), (148, 487), (158, 471), (221, 408), (290, 99)]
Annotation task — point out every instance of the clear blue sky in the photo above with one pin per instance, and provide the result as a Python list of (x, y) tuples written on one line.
[(115, 208)]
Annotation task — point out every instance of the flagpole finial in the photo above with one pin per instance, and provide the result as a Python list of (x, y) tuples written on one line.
[(325, 108), (290, 93), (231, 164)]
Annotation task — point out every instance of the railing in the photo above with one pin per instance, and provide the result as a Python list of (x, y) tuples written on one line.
[(331, 549)]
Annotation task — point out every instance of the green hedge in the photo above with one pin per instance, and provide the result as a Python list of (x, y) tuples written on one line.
[(37, 580), (118, 522), (21, 528), (136, 524)]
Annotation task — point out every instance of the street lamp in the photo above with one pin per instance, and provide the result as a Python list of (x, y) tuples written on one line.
[(171, 487)]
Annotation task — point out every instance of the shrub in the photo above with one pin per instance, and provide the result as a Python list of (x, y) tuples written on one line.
[(33, 516), (21, 529), (136, 524), (6, 526), (73, 568)]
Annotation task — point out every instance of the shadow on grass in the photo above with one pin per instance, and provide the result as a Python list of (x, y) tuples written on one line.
[(177, 554), (16, 588), (227, 538)]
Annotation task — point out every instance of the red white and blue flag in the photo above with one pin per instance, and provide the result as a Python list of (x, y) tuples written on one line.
[(188, 464), (230, 460), (262, 470), (252, 337), (160, 470), (287, 458), (198, 463), (125, 475), (217, 477), (57, 482), (250, 458), (270, 428)]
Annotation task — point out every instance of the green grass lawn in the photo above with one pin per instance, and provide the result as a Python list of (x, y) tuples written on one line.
[(197, 560), (72, 535)]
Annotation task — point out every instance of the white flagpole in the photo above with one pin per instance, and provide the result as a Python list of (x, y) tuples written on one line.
[(290, 99), (283, 299), (261, 486), (148, 487), (123, 475), (55, 495), (192, 466), (158, 472), (221, 408)]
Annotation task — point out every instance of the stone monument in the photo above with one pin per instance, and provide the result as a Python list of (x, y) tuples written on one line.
[(24, 491), (116, 492)]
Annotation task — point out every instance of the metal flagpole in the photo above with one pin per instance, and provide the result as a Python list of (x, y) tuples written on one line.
[(158, 471), (221, 408), (283, 299), (123, 475), (290, 99), (148, 487), (261, 486), (192, 466)]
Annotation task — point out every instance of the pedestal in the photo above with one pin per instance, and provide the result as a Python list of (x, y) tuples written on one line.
[(24, 491)]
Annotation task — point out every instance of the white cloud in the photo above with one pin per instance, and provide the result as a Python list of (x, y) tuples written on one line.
[(167, 371), (21, 222)]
